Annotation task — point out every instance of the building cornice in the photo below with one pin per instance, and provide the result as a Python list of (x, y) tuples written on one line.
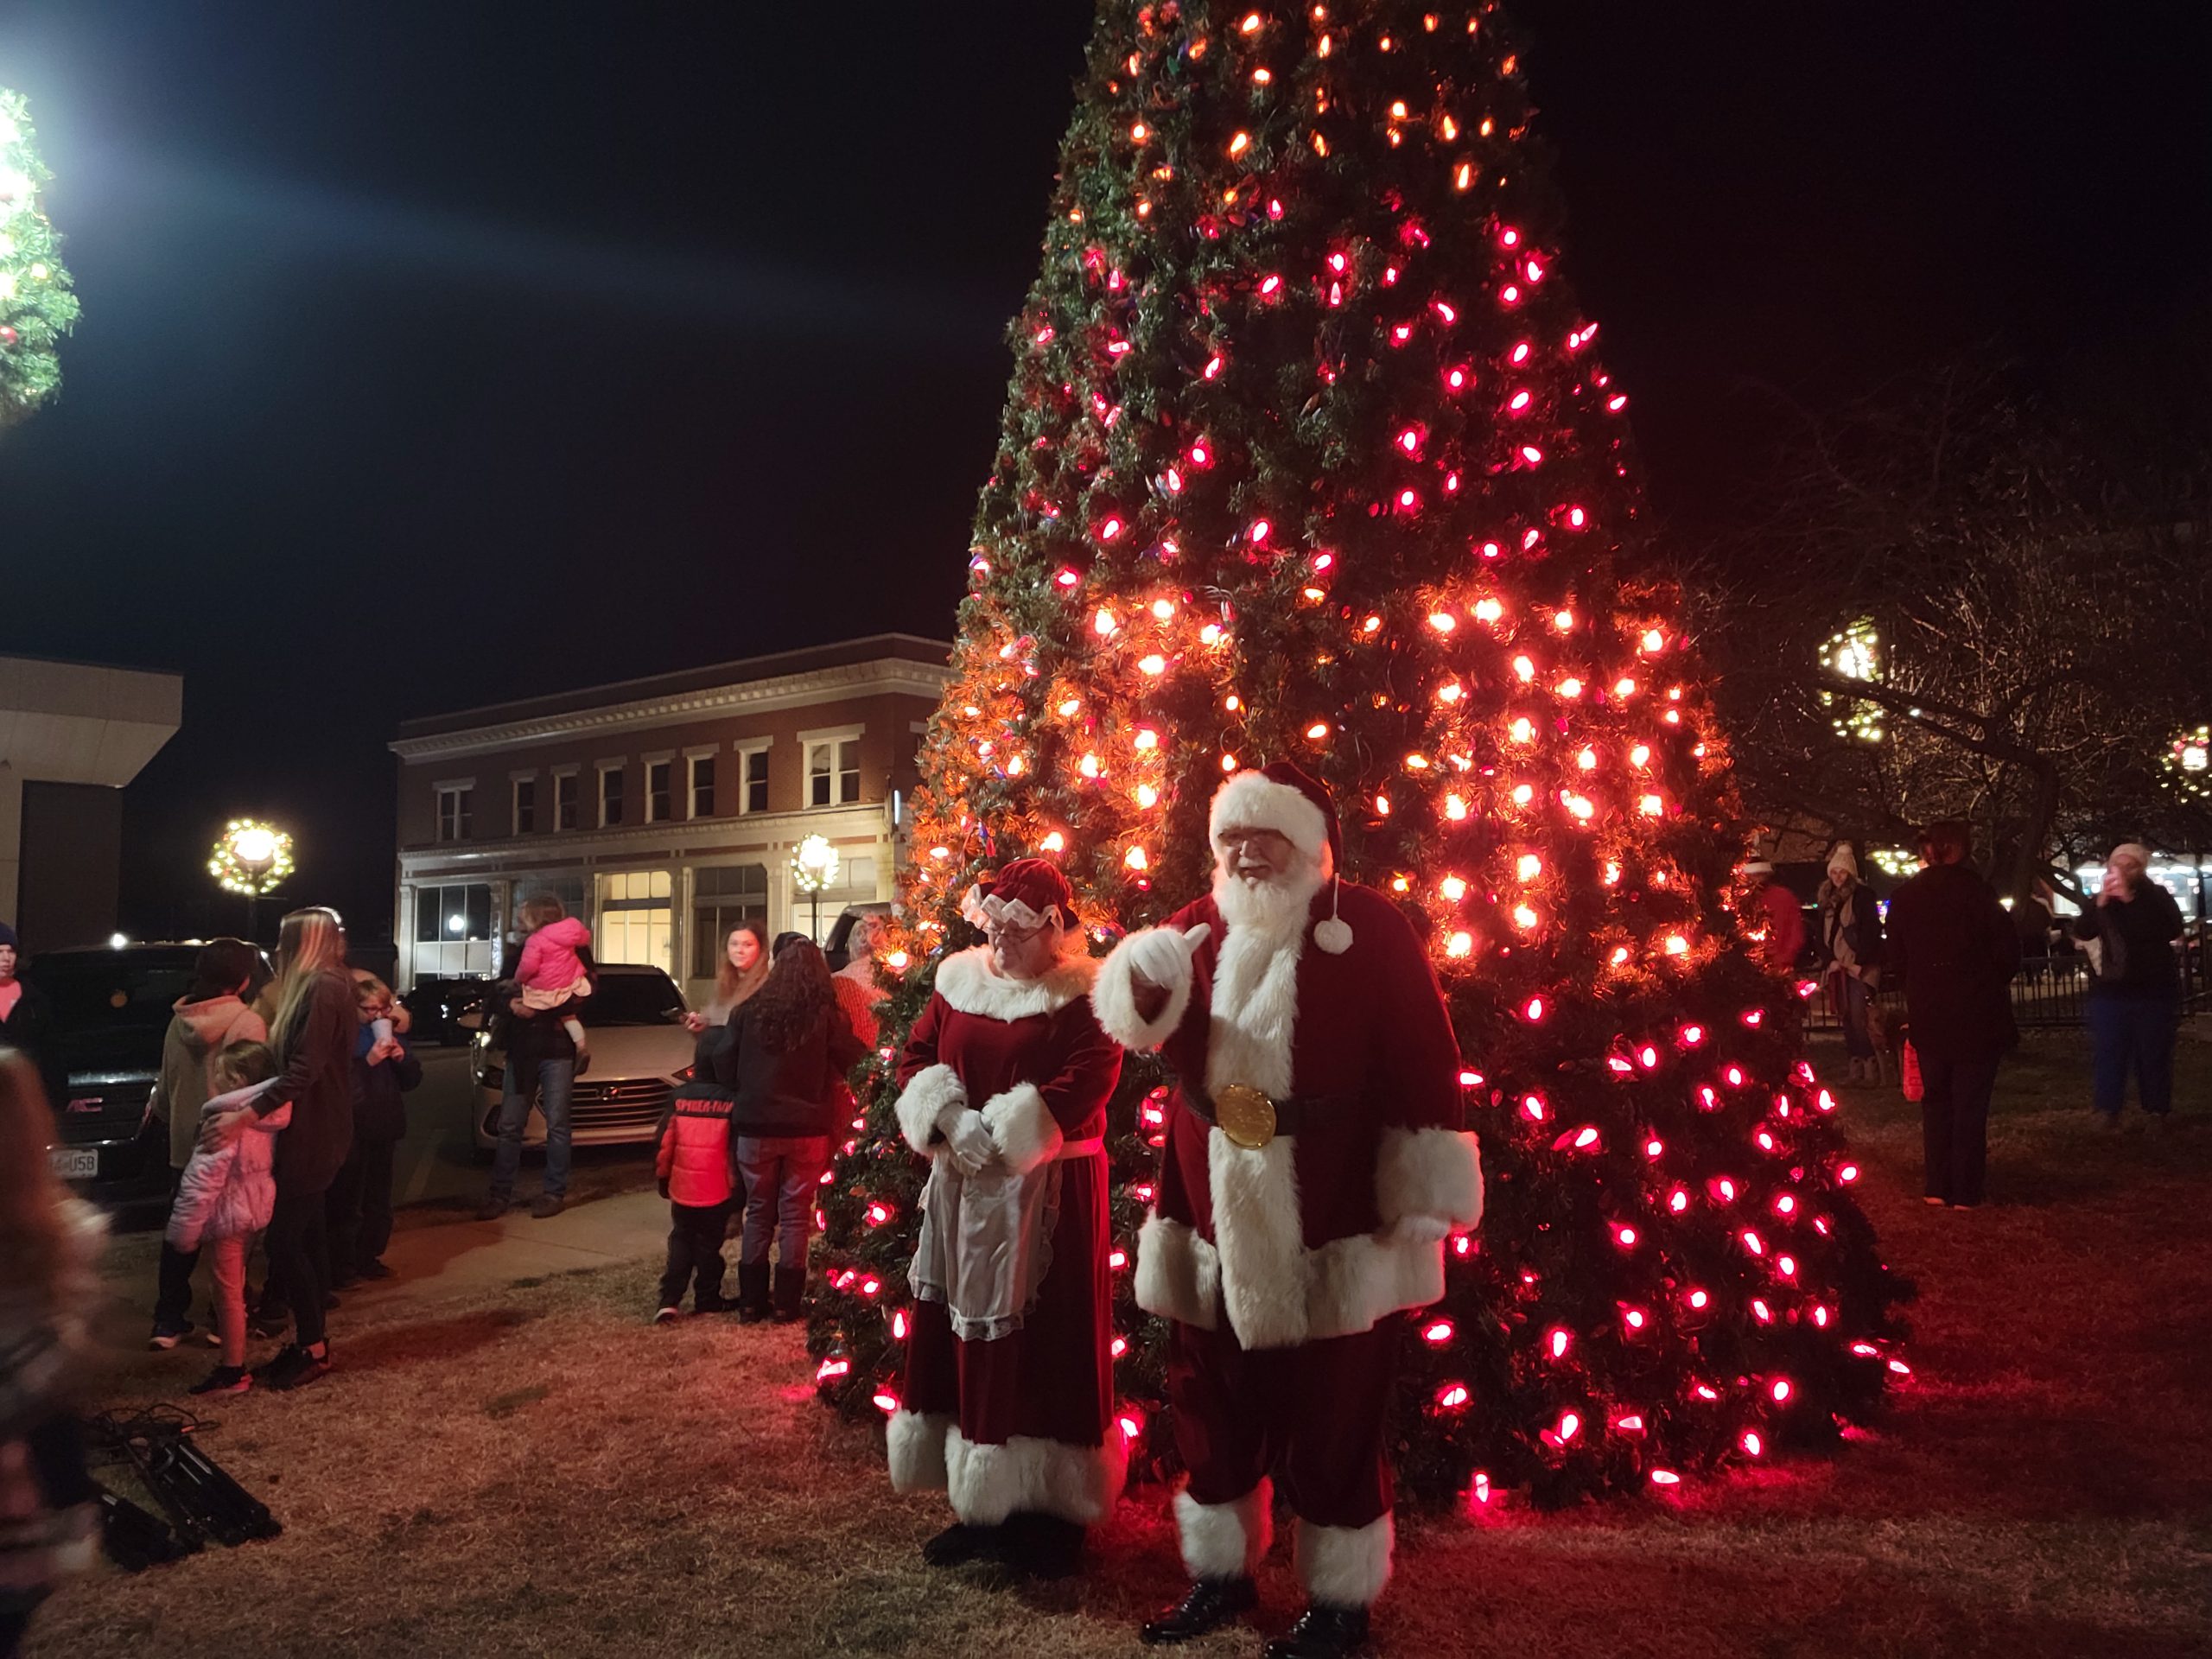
[(879, 676), (844, 825)]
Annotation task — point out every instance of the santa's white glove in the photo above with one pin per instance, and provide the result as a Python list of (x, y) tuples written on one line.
[(1421, 1229), (1161, 958), (969, 1137)]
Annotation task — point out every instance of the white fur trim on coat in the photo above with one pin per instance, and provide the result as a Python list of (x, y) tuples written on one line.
[(966, 980), (1345, 1567), (1259, 1233), (925, 1098), (1435, 1173), (988, 1483), (915, 1442), (1114, 999), (1254, 800), (1179, 1274), (1225, 1541), (1343, 1287), (1022, 1127)]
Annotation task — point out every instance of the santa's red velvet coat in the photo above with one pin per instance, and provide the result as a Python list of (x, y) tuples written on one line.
[(1025, 1421), (1280, 1266)]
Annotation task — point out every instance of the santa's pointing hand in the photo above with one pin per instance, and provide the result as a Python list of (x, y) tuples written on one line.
[(1161, 960)]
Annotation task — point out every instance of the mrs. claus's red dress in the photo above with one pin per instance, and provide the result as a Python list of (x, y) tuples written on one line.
[(1008, 1403)]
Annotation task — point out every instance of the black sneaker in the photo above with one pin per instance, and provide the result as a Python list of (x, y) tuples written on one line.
[(167, 1337), (283, 1360), (224, 1379), (373, 1270), (264, 1327), (667, 1315), (295, 1368), (494, 1206), (547, 1204)]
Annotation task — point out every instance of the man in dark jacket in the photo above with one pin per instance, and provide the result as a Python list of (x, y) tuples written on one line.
[(384, 1069), (1955, 947)]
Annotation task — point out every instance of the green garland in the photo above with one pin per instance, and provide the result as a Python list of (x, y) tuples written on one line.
[(36, 306)]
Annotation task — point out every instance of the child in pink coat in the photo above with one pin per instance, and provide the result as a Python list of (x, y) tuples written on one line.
[(225, 1197), (550, 973)]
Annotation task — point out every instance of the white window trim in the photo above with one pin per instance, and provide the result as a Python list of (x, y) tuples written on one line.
[(599, 795), (515, 781), (744, 747), (701, 751), (646, 763), (691, 759), (809, 742), (439, 791)]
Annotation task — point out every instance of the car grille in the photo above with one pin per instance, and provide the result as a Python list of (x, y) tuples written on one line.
[(100, 1109), (630, 1104)]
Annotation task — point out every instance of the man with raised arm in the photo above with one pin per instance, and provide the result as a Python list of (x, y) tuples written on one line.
[(1315, 1164)]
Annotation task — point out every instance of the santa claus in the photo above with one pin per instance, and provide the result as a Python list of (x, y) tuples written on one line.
[(1314, 1167), (1008, 1394)]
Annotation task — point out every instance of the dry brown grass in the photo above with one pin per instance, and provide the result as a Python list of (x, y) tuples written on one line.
[(537, 1472)]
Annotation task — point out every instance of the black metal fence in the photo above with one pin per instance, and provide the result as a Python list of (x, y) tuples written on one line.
[(2048, 992)]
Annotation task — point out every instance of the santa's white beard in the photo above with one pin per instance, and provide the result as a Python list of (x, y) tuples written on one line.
[(1276, 908)]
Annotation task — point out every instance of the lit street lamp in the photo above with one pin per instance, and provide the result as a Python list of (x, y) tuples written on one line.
[(814, 867), (252, 859)]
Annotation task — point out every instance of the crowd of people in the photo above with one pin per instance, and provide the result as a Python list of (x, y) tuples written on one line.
[(1304, 1196), (1948, 942)]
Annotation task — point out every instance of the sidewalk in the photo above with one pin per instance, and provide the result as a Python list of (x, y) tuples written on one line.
[(436, 1262)]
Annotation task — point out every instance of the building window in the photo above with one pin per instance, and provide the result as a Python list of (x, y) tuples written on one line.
[(564, 800), (610, 796), (636, 918), (833, 772), (752, 780), (722, 896), (702, 786), (457, 915), (454, 812), (660, 805), (525, 806)]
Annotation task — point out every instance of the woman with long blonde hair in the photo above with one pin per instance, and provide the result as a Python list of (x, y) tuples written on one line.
[(312, 1033), (49, 1244)]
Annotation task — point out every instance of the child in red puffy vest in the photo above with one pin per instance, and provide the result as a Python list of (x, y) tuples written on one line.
[(698, 1179)]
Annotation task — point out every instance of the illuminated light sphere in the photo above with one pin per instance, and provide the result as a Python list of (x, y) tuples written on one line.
[(1665, 1477), (1752, 1445), (1437, 1333), (1135, 858), (1452, 1396)]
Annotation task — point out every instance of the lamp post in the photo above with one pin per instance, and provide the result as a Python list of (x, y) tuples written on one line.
[(814, 867), (252, 859)]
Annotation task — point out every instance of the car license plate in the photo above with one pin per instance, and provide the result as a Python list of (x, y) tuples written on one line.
[(72, 1164)]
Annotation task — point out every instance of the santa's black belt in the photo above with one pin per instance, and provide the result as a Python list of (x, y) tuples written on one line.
[(1252, 1119)]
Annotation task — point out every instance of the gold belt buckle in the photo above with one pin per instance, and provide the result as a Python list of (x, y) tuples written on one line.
[(1245, 1116)]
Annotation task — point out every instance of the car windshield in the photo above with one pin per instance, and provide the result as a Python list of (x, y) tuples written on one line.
[(631, 1000), (113, 1007)]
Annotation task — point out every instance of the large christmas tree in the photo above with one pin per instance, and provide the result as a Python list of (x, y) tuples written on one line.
[(1310, 454), (36, 308)]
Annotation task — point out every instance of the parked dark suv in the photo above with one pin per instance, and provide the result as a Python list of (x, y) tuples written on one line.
[(112, 1007)]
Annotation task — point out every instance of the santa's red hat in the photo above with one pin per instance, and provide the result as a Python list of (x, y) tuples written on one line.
[(1282, 797), (1024, 893)]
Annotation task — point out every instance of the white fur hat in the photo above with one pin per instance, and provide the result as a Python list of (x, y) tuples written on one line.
[(1844, 858)]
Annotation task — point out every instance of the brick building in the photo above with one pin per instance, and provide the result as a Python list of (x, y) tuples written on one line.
[(661, 811)]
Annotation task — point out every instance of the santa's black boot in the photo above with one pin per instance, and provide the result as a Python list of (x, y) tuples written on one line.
[(1043, 1546), (1207, 1606), (960, 1543), (1322, 1633)]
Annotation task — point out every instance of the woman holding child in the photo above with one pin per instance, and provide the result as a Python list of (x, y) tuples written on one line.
[(312, 1036), (1008, 1394)]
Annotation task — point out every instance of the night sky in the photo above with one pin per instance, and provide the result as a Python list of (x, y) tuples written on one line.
[(439, 353)]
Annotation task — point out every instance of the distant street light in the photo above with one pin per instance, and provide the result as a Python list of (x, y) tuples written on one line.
[(252, 859), (814, 867)]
